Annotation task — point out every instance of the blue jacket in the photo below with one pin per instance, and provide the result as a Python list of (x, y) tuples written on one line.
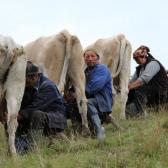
[(99, 86), (49, 100)]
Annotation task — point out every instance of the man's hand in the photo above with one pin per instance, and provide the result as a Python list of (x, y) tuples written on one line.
[(19, 117), (135, 84)]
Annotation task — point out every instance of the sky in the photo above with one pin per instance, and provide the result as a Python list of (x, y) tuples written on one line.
[(143, 22)]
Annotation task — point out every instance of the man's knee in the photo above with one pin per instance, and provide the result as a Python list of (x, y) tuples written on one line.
[(38, 115), (38, 119), (92, 107)]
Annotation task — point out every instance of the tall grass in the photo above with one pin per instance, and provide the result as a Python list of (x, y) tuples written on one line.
[(142, 144)]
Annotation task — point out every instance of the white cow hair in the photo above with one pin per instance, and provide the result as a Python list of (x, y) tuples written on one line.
[(116, 53), (61, 57), (14, 85), (9, 42)]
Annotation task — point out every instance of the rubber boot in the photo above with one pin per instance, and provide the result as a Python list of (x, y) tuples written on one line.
[(100, 133)]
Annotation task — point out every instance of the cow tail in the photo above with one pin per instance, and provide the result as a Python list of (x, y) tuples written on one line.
[(68, 47), (123, 44)]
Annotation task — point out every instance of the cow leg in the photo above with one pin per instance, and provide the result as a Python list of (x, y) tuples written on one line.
[(14, 86), (124, 96), (13, 106), (82, 106), (77, 78), (11, 124), (78, 81), (124, 80)]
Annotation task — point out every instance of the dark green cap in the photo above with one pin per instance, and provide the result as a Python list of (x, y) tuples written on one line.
[(31, 69)]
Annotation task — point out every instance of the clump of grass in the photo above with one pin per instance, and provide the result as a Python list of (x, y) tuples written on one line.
[(151, 146), (165, 124), (143, 143)]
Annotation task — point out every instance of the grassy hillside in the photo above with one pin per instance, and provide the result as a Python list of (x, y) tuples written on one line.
[(143, 144)]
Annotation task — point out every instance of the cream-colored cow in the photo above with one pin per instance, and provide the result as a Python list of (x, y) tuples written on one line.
[(12, 85), (115, 52), (61, 57)]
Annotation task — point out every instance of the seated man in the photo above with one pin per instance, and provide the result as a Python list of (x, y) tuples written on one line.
[(149, 84), (98, 91), (45, 109)]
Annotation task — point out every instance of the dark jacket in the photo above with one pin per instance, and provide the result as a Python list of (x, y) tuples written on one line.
[(49, 100), (156, 89), (160, 80), (99, 86)]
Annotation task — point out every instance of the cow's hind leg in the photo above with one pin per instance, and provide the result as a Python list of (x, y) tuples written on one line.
[(14, 86), (78, 81), (12, 107), (124, 80), (12, 126), (82, 105)]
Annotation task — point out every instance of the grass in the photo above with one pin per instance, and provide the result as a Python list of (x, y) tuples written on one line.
[(142, 144)]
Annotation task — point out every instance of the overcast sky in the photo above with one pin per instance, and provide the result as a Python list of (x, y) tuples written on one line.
[(142, 21)]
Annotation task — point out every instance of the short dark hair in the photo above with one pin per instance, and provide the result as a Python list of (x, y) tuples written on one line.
[(31, 69)]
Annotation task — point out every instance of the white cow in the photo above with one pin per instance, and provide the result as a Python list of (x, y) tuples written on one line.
[(116, 54), (61, 57), (12, 84)]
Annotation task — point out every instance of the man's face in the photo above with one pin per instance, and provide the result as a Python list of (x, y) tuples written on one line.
[(31, 80), (140, 57), (91, 59), (141, 60)]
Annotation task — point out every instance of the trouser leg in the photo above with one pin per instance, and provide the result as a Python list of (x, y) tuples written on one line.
[(93, 115), (38, 122), (136, 103)]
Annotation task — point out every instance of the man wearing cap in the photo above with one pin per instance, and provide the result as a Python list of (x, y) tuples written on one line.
[(149, 84), (98, 91), (45, 108)]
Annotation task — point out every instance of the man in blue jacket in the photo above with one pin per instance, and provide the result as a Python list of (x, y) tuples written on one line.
[(98, 91), (46, 110)]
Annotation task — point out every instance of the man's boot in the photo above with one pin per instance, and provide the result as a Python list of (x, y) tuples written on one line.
[(100, 132)]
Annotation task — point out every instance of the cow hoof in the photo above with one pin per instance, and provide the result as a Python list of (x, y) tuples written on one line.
[(85, 131), (123, 117), (11, 152)]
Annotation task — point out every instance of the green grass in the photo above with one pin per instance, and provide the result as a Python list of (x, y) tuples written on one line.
[(142, 144)]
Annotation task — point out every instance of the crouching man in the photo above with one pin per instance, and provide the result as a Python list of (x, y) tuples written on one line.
[(98, 91), (42, 106), (149, 84)]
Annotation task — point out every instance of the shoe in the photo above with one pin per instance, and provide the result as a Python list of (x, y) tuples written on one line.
[(101, 134), (131, 110)]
